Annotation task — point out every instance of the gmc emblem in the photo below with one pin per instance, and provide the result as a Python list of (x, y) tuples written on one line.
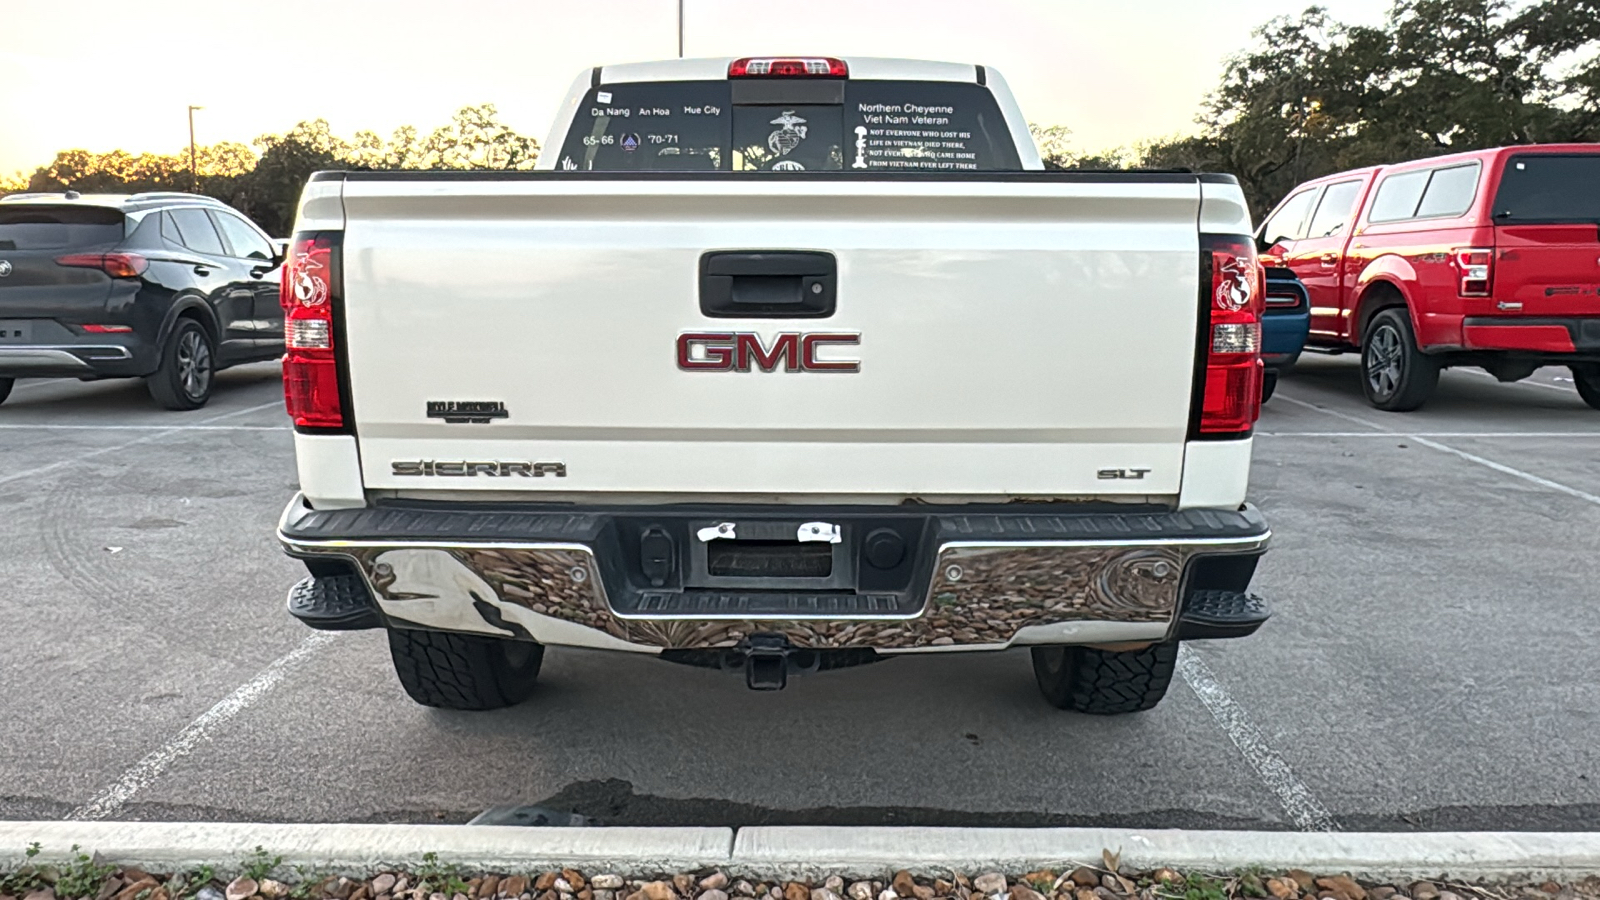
[(728, 351)]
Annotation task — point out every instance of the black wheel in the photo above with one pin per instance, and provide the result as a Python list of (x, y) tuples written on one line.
[(464, 671), (188, 366), (1269, 383), (1587, 378), (5, 388), (1105, 682), (1395, 375)]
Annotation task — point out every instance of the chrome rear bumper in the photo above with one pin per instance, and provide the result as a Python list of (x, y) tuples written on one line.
[(981, 582)]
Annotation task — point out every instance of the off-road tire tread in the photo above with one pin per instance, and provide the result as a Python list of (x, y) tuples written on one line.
[(459, 671), (1111, 682)]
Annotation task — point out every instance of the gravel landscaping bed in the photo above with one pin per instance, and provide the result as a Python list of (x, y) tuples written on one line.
[(263, 877)]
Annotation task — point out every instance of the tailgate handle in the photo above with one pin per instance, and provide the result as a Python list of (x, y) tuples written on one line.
[(768, 284)]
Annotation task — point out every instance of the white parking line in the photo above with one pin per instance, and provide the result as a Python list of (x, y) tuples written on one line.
[(1432, 434), (1486, 463), (1340, 415), (1304, 809), (110, 800), (1515, 473), (171, 429)]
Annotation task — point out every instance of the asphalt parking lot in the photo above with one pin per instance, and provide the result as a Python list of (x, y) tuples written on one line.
[(1432, 664)]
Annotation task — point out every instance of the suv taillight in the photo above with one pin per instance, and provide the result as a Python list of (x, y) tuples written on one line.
[(788, 67), (117, 265), (312, 285), (1231, 282), (1475, 265)]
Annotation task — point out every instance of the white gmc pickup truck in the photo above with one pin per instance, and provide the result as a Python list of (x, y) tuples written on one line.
[(778, 365)]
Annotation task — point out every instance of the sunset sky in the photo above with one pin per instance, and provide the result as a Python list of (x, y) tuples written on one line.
[(103, 74)]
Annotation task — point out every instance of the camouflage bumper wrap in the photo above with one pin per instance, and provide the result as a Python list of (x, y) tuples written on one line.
[(972, 594)]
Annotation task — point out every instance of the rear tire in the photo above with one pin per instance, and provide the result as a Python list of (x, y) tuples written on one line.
[(1395, 375), (464, 671), (5, 388), (1587, 378), (1269, 383), (187, 370), (1105, 682)]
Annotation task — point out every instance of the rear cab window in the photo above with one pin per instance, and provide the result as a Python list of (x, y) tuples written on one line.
[(780, 125), (38, 226), (1446, 192), (1450, 192), (1552, 189)]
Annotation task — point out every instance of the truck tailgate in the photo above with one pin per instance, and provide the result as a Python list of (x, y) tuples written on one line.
[(1018, 335)]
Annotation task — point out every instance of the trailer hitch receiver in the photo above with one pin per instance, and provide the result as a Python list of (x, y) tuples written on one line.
[(766, 662)]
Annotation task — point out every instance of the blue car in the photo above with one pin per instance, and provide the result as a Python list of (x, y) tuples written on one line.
[(1284, 326)]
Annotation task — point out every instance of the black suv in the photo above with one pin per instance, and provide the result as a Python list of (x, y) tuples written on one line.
[(164, 286)]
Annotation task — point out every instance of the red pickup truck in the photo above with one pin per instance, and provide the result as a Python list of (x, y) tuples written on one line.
[(1489, 258)]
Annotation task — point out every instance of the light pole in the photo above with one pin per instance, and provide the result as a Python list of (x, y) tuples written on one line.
[(680, 29), (194, 175)]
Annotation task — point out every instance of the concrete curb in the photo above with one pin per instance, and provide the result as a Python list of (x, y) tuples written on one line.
[(806, 852), (176, 846), (799, 852)]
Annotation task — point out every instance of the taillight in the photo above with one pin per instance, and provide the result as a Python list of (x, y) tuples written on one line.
[(311, 286), (1232, 283), (107, 329), (1475, 265), (788, 67), (117, 265), (1284, 294)]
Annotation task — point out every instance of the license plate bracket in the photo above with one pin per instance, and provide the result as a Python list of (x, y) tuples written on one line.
[(768, 559), (769, 555)]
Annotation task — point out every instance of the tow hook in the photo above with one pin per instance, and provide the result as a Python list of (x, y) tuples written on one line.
[(766, 662)]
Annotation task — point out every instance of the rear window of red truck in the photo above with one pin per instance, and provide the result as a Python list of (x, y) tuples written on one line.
[(1549, 189)]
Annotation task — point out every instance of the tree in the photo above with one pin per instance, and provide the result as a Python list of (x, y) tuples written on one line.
[(1566, 37), (270, 192), (1284, 110), (122, 172), (265, 183), (1055, 145), (475, 139), (117, 171), (1313, 96)]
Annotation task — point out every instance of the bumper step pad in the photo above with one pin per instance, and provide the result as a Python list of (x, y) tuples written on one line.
[(333, 603), (1221, 614)]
